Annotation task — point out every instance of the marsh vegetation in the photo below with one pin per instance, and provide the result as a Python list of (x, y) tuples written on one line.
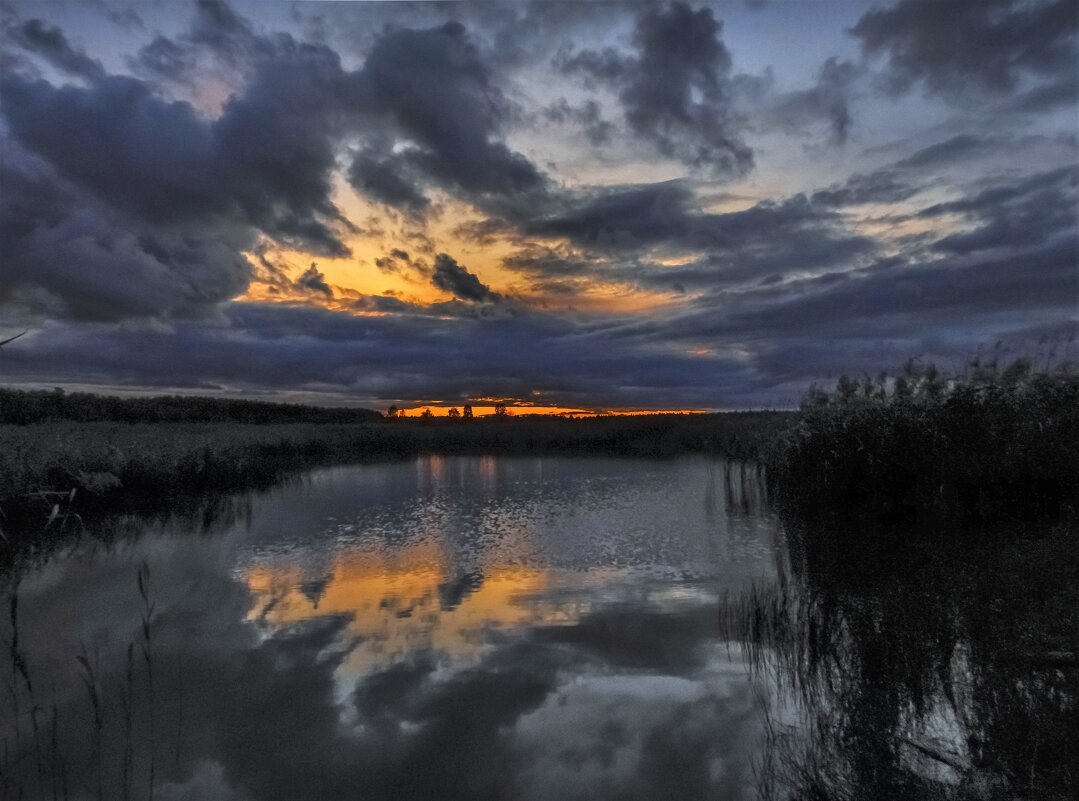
[(929, 673), (114, 467), (925, 627), (930, 450)]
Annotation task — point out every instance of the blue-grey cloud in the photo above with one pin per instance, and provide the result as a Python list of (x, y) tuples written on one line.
[(49, 42), (160, 191), (675, 91), (954, 46)]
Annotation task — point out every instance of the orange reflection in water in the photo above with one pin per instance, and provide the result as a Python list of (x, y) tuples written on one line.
[(409, 601)]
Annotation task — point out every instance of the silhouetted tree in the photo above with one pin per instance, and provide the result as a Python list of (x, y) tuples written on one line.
[(468, 412), (454, 412), (500, 410), (391, 412), (426, 415)]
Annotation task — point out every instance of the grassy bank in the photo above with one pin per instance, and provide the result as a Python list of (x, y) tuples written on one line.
[(986, 448), (116, 466)]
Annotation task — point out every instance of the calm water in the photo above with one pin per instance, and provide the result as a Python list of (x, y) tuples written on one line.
[(442, 628)]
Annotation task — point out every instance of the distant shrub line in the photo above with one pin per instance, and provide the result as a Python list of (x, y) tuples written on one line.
[(923, 448), (26, 407)]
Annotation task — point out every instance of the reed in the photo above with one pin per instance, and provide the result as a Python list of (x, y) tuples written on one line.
[(936, 451), (119, 702), (146, 646), (874, 655)]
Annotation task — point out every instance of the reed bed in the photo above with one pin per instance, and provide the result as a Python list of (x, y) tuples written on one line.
[(925, 449)]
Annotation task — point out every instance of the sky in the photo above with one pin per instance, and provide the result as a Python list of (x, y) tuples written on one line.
[(552, 204)]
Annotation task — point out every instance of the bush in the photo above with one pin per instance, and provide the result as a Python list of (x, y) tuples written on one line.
[(925, 449)]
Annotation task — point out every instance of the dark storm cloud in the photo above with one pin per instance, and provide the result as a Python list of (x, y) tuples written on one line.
[(313, 280), (160, 165), (68, 254), (120, 202), (437, 91), (449, 276), (451, 356), (626, 217), (396, 261), (893, 298), (1036, 210), (1016, 263), (675, 92), (758, 243), (50, 43), (991, 45), (160, 161), (385, 180)]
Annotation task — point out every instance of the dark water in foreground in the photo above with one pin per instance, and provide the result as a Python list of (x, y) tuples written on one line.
[(547, 629), (442, 628)]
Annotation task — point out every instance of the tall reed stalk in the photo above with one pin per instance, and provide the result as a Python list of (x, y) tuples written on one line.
[(147, 655)]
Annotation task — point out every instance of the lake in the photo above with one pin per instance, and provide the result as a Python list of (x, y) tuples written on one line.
[(474, 628)]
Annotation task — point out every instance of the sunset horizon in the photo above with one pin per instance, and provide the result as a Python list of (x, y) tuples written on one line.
[(632, 206)]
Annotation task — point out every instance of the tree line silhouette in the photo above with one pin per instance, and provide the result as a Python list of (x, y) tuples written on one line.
[(24, 407)]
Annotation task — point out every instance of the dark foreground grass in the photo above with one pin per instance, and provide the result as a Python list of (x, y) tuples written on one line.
[(924, 450), (118, 467)]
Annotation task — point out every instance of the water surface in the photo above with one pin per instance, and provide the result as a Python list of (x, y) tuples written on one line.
[(519, 628)]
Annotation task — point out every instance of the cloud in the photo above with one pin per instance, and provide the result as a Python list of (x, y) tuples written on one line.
[(828, 99), (385, 180), (162, 162), (675, 92), (597, 130), (49, 42), (755, 244), (313, 280), (952, 47), (625, 217), (1037, 210), (948, 152), (882, 186), (68, 254), (150, 199), (449, 276), (437, 92)]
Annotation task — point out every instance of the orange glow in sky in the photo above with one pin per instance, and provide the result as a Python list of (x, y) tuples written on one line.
[(484, 411)]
